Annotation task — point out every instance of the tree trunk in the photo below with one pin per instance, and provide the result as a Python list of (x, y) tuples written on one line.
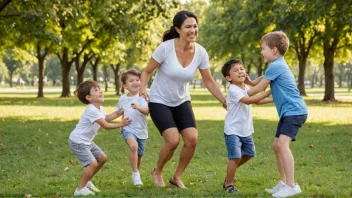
[(95, 68), (11, 77), (329, 51), (41, 58), (106, 77), (301, 73), (116, 70), (81, 67), (66, 66), (41, 77)]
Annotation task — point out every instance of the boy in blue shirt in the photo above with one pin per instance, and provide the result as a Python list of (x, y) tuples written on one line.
[(290, 106)]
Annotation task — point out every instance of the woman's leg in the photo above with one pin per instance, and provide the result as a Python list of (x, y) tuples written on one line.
[(190, 139), (172, 139)]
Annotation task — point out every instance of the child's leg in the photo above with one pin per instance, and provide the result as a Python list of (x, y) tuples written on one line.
[(139, 161), (287, 159), (101, 161), (243, 160), (279, 162), (132, 144), (231, 170), (87, 174)]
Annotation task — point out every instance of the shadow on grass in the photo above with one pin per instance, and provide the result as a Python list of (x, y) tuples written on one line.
[(35, 154)]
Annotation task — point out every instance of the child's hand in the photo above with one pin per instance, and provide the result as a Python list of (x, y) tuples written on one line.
[(134, 106), (126, 121)]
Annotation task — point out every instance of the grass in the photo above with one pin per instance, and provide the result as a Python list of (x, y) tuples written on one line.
[(34, 151)]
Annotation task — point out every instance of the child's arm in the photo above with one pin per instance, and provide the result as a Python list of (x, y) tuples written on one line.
[(144, 110), (264, 101), (256, 98), (253, 83), (260, 87), (106, 125), (113, 115)]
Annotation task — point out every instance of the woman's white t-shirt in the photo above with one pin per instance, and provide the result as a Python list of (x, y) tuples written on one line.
[(138, 126), (87, 128), (238, 119), (170, 85)]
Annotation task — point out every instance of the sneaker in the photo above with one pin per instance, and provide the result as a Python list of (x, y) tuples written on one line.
[(83, 192), (136, 178), (91, 187), (287, 191), (276, 189)]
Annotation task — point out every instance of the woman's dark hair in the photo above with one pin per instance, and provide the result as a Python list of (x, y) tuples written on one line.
[(178, 20)]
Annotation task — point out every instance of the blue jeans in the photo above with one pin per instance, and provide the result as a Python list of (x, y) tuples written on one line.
[(238, 146)]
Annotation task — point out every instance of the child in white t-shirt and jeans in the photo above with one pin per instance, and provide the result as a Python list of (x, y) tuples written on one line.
[(238, 122), (81, 138), (135, 134)]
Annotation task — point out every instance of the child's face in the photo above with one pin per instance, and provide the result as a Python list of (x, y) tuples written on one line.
[(268, 53), (237, 74), (133, 84), (96, 96)]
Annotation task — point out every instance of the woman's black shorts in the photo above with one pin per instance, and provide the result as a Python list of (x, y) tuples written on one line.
[(165, 117)]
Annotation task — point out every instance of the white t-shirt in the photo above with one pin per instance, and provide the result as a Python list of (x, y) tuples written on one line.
[(238, 119), (87, 128), (170, 85), (138, 125)]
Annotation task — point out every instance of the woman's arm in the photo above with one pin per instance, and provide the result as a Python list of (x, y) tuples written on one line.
[(145, 76), (211, 85)]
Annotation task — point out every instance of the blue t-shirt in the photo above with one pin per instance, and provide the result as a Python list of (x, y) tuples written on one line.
[(286, 96)]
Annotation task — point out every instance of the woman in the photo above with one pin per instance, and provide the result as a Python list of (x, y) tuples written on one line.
[(176, 60)]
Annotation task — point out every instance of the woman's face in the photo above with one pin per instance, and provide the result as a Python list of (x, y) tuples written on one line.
[(189, 29)]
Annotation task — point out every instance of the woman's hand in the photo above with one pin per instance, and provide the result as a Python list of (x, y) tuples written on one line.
[(144, 94)]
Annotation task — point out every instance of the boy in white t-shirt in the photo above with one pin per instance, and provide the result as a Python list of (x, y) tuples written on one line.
[(238, 122), (136, 108), (81, 138)]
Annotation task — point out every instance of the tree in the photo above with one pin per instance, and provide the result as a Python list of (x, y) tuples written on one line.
[(335, 34)]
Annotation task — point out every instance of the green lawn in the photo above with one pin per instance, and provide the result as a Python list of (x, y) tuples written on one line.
[(34, 151)]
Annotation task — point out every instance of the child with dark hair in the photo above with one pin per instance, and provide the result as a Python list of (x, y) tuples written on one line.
[(81, 138), (238, 122)]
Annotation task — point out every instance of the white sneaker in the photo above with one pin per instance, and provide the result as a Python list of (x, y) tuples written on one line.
[(276, 189), (287, 191), (83, 192), (136, 178), (91, 186)]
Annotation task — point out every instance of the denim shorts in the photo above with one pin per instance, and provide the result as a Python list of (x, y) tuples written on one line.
[(86, 154), (239, 146), (290, 125), (141, 142)]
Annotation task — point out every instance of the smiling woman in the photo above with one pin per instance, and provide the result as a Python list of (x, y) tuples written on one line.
[(176, 60)]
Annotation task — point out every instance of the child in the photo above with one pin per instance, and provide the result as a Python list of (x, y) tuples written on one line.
[(238, 121), (81, 142), (136, 133), (291, 108)]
